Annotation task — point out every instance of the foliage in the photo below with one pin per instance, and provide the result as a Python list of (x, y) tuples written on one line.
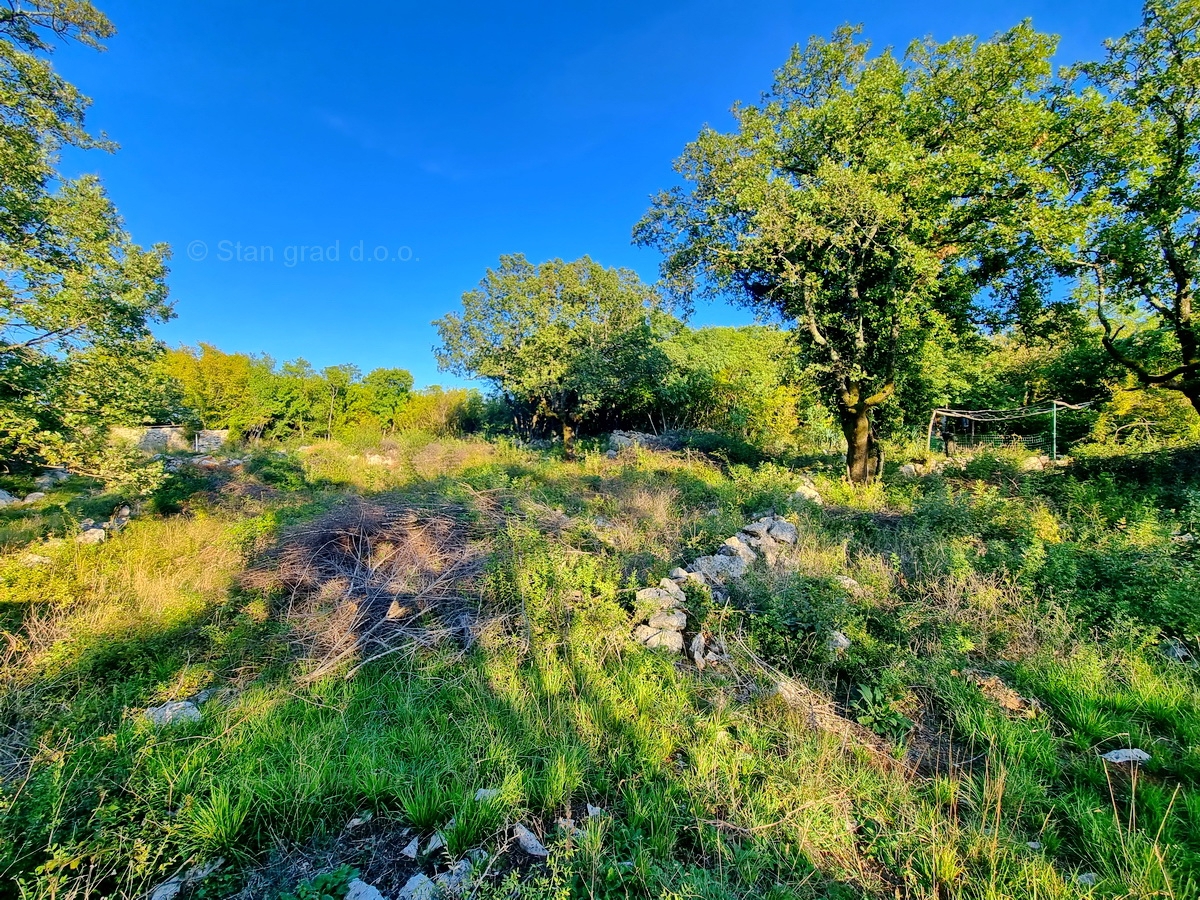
[(560, 341), (327, 886), (77, 296), (869, 200), (876, 709), (741, 382), (1137, 178), (952, 573), (254, 397)]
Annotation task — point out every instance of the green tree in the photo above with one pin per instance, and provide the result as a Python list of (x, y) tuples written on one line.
[(1138, 184), (561, 340), (74, 286), (384, 394), (870, 201)]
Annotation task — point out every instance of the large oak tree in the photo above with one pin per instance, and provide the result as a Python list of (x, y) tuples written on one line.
[(877, 202)]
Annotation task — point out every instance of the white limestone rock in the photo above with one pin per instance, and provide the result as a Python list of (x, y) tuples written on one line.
[(173, 713), (528, 841), (360, 890), (783, 530), (1126, 756)]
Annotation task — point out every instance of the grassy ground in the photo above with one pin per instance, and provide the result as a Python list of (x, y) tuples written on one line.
[(1064, 585)]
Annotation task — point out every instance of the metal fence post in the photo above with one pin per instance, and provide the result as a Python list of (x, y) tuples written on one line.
[(1054, 429)]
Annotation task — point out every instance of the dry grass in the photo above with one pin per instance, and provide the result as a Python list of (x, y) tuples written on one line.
[(367, 577)]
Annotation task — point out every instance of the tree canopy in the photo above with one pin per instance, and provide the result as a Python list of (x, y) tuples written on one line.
[(1136, 180), (559, 340), (879, 203), (77, 295)]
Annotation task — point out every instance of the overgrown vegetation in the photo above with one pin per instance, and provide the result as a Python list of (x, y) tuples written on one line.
[(1069, 592), (386, 633)]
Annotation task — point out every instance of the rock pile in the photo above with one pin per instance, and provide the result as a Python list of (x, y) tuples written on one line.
[(91, 532), (661, 617), (620, 440), (665, 618)]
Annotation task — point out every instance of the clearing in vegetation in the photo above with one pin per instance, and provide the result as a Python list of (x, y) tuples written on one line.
[(394, 669)]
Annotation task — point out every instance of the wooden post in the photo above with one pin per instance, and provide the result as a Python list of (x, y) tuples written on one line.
[(929, 434)]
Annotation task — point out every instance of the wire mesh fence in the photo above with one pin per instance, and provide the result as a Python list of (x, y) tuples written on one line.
[(1040, 443), (969, 428)]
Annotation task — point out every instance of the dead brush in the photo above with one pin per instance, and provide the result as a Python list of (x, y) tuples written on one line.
[(369, 579)]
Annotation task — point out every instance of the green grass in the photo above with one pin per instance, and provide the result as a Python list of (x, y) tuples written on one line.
[(711, 785)]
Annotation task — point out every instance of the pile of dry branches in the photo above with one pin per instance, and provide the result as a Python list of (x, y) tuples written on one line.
[(369, 579)]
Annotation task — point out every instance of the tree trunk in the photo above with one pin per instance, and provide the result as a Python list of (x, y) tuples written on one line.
[(568, 438), (856, 426)]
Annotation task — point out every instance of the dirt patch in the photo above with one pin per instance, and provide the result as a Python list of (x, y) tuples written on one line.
[(370, 577)]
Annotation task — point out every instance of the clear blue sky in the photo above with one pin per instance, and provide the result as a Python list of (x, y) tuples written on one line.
[(443, 134)]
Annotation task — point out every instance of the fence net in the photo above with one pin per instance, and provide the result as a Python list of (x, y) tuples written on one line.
[(1034, 428)]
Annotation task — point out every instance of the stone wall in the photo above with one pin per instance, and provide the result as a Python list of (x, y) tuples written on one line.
[(172, 438)]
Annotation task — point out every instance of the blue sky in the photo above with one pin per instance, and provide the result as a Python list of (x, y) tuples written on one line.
[(436, 137)]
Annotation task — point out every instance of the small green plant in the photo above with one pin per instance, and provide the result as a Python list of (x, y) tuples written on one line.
[(424, 804), (326, 886), (876, 709)]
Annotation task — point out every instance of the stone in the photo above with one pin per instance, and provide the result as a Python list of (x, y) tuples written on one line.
[(419, 887), (669, 620), (1032, 464), (838, 643), (1126, 756), (51, 477), (678, 575), (759, 529), (437, 842), (735, 546), (528, 841), (173, 713), (1034, 845), (1086, 879), (29, 560), (696, 650), (1174, 650), (849, 584), (656, 637), (594, 811), (718, 569), (673, 589), (611, 454), (360, 890), (908, 470), (34, 497), (782, 530), (359, 820), (91, 535), (485, 795), (456, 879), (7, 499), (809, 493), (168, 890), (412, 848), (658, 597)]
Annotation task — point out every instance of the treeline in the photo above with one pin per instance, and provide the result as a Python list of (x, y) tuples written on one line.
[(256, 398), (740, 383)]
